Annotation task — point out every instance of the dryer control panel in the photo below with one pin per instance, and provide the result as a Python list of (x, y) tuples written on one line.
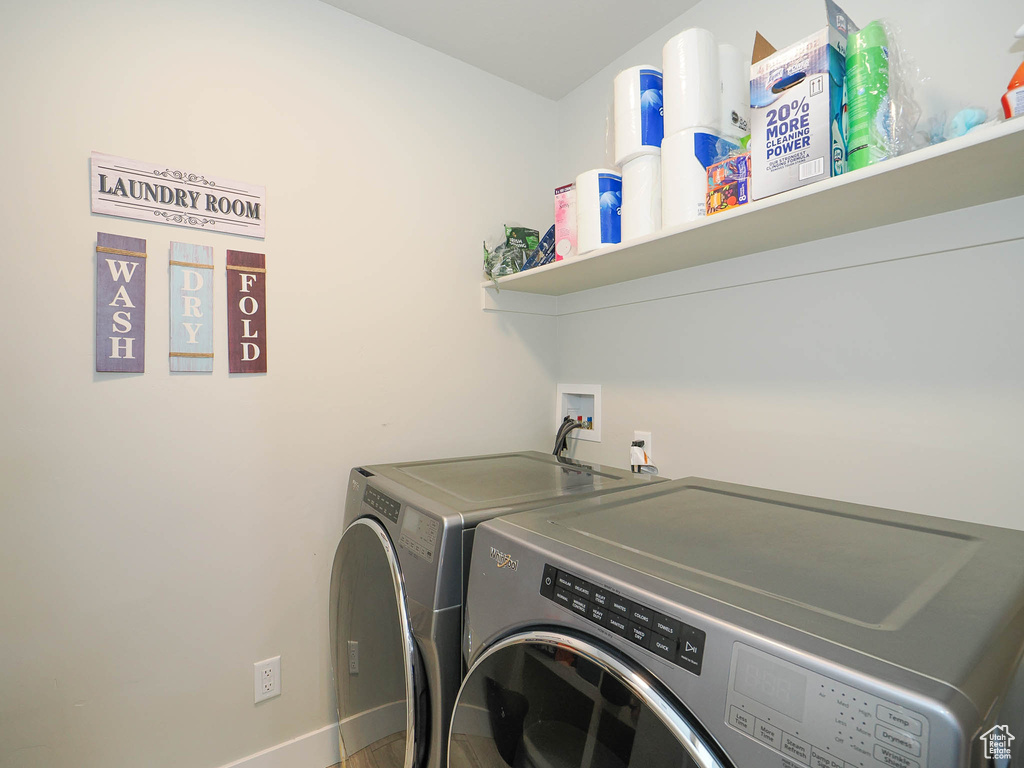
[(381, 502), (419, 534), (669, 638), (817, 721)]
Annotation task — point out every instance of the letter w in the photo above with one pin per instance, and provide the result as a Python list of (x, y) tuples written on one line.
[(121, 271)]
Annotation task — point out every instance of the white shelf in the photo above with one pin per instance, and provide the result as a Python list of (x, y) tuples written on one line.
[(982, 167)]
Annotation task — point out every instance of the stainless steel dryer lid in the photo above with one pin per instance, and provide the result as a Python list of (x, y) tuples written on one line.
[(942, 597), (504, 481)]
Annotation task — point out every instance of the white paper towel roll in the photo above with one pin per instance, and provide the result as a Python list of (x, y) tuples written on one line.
[(639, 124), (598, 209), (735, 73), (685, 157), (641, 196), (692, 88)]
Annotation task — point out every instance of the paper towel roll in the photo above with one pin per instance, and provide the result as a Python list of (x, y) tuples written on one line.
[(639, 124), (692, 88), (641, 196), (735, 74), (685, 157), (598, 209)]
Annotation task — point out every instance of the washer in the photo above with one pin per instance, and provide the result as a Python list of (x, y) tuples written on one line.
[(398, 581), (699, 623)]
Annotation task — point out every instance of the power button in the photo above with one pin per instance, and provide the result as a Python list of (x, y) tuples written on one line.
[(547, 582)]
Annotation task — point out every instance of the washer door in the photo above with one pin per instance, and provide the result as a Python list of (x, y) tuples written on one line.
[(548, 700), (377, 671)]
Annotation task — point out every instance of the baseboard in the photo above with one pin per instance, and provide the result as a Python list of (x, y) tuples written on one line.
[(359, 731), (320, 748), (316, 749)]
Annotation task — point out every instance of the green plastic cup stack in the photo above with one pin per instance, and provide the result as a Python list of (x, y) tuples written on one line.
[(867, 88)]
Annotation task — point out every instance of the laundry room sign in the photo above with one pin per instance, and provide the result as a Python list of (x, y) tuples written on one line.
[(157, 192)]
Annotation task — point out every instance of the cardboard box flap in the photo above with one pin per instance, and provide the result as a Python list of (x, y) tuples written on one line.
[(839, 25), (762, 49)]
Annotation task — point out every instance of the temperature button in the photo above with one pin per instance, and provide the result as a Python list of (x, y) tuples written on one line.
[(900, 720)]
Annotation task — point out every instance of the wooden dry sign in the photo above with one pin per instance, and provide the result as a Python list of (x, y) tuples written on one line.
[(247, 312), (191, 307), (120, 304)]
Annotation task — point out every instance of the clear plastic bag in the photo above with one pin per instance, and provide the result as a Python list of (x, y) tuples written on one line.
[(506, 256), (882, 112)]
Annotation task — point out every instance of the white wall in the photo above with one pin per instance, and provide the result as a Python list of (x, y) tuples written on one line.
[(161, 533), (883, 368)]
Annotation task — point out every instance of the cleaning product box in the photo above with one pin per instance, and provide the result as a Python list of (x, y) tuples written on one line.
[(798, 108), (728, 182), (565, 222)]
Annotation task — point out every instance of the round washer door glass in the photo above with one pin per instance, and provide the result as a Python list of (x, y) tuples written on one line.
[(373, 651), (546, 700)]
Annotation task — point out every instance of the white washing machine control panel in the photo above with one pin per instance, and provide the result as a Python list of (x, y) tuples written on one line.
[(813, 720)]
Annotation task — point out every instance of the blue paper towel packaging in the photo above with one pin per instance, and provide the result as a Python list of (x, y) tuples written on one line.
[(639, 119), (797, 109), (598, 209)]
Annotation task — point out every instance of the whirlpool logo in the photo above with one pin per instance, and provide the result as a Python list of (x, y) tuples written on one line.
[(503, 560)]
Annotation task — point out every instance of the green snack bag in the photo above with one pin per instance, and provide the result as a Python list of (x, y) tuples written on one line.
[(521, 238)]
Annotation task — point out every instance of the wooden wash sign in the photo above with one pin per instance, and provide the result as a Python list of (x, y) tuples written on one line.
[(191, 301), (120, 304), (247, 312)]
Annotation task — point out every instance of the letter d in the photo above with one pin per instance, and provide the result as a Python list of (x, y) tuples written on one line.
[(191, 276)]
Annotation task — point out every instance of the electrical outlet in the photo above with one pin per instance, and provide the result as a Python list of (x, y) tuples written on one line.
[(267, 679), (648, 448), (353, 657)]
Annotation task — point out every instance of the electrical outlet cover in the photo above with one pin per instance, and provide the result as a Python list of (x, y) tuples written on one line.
[(266, 679), (648, 446)]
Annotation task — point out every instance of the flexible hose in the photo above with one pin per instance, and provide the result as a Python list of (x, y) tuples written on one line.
[(567, 426)]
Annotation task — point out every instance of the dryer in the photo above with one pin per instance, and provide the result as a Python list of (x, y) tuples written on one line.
[(397, 588), (705, 624)]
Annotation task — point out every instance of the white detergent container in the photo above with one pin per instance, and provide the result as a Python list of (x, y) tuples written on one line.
[(598, 209)]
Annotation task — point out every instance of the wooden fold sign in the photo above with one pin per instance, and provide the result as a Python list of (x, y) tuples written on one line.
[(120, 304), (191, 268), (247, 312)]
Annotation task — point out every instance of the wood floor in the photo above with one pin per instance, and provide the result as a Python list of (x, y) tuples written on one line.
[(475, 752), (389, 752)]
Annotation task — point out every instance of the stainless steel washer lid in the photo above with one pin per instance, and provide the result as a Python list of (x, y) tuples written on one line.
[(506, 481), (939, 597)]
